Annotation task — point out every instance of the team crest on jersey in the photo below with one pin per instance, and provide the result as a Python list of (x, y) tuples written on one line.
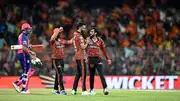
[(57, 43), (91, 65), (24, 42)]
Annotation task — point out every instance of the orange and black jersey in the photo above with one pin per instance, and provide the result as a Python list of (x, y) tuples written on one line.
[(94, 49)]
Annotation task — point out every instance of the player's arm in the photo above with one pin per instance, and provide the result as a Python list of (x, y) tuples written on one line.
[(85, 43), (102, 46), (25, 47), (28, 52), (67, 41), (70, 41), (55, 33)]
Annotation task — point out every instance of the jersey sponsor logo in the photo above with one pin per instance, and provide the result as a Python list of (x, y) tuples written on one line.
[(100, 63), (93, 46), (62, 46)]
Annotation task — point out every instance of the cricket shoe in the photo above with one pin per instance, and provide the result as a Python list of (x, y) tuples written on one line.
[(106, 91), (26, 92), (92, 92), (63, 92), (85, 93), (16, 87), (55, 91), (73, 92)]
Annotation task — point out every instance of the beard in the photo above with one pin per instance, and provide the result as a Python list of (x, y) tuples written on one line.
[(84, 34), (91, 36), (28, 32)]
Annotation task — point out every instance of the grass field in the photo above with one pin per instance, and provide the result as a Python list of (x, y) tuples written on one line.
[(115, 95)]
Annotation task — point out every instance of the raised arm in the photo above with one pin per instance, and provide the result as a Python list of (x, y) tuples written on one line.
[(55, 33)]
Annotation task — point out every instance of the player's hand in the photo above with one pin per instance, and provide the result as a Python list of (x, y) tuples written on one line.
[(61, 29), (109, 62), (36, 61), (30, 46), (88, 39), (33, 54)]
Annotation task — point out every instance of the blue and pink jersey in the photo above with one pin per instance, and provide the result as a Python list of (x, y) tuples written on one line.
[(23, 40), (23, 57)]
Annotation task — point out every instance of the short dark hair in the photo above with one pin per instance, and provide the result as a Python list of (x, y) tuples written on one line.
[(80, 25), (96, 29)]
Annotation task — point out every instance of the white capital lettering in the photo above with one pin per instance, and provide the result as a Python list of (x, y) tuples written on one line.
[(159, 82), (116, 83), (171, 81), (147, 83), (132, 82)]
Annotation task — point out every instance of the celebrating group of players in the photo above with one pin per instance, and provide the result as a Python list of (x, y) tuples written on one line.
[(92, 45)]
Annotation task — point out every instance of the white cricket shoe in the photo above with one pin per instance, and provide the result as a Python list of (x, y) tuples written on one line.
[(73, 92), (85, 93), (26, 92), (92, 92), (16, 87)]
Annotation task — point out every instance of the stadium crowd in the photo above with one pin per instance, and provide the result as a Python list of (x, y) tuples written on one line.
[(141, 40)]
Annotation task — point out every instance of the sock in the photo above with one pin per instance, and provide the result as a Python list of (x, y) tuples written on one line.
[(24, 82), (30, 74), (19, 80)]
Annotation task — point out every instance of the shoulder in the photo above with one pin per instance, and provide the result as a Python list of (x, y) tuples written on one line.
[(100, 39), (22, 36)]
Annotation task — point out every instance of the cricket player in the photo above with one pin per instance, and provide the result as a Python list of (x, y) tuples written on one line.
[(94, 48), (57, 44), (24, 55), (80, 56)]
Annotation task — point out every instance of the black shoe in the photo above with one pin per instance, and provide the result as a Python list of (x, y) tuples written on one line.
[(106, 92)]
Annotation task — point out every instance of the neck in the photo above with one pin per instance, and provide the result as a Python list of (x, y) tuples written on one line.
[(94, 38)]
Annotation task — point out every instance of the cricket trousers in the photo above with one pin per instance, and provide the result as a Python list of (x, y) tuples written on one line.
[(95, 63), (26, 68), (81, 73), (58, 65)]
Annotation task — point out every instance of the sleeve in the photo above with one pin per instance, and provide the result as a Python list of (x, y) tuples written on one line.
[(102, 46), (51, 42), (67, 41)]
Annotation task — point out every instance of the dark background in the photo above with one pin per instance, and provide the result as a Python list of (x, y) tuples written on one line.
[(90, 3)]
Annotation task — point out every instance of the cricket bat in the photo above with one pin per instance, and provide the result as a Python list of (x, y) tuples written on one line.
[(16, 47)]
